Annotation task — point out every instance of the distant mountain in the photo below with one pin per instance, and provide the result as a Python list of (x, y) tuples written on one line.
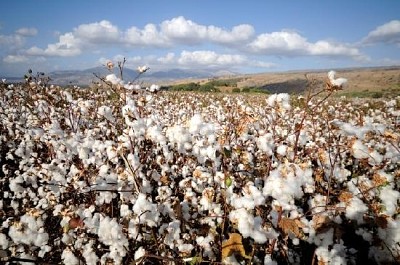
[(86, 77)]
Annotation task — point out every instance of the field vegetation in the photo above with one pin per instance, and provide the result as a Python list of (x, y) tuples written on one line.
[(122, 174)]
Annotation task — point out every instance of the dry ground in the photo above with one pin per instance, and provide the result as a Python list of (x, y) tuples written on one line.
[(360, 80)]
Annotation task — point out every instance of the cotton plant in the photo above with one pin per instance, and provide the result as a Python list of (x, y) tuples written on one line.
[(121, 174)]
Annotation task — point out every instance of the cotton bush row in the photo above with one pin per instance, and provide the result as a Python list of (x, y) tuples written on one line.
[(91, 178)]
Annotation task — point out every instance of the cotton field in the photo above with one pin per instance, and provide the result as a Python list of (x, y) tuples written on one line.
[(111, 175)]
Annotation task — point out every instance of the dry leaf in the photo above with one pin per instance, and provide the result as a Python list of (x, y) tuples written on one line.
[(345, 196), (321, 222), (382, 221), (392, 135), (233, 245), (165, 180), (291, 226), (75, 223), (379, 180)]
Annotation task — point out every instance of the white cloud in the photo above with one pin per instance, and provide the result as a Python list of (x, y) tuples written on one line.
[(209, 59), (15, 59), (286, 43), (102, 32), (68, 45), (386, 33), (202, 59), (12, 41), (185, 31), (28, 32), (167, 59), (240, 33), (149, 36), (280, 43), (182, 30)]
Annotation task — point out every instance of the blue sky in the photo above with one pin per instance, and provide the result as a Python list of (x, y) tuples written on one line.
[(239, 36)]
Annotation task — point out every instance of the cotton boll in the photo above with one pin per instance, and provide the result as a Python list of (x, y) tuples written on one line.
[(89, 255), (106, 112), (146, 212), (365, 234), (173, 232), (185, 249), (266, 143), (359, 150), (330, 256), (114, 79), (336, 82), (389, 198), (124, 210), (69, 258), (195, 124), (3, 241), (205, 244), (281, 150), (356, 210), (139, 253), (110, 233), (268, 260), (250, 226), (154, 88), (375, 158)]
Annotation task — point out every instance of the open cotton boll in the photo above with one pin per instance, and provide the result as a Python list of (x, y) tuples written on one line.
[(146, 212), (350, 130), (132, 86), (266, 143), (89, 255), (139, 253), (106, 112), (250, 226), (195, 124), (3, 241), (389, 198), (338, 81), (281, 150), (114, 79), (287, 183), (359, 150), (336, 255), (281, 101), (153, 88), (110, 233), (356, 209), (69, 258)]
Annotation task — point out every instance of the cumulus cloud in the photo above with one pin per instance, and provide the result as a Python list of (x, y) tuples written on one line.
[(68, 45), (209, 59), (167, 59), (28, 32), (182, 30), (281, 43), (286, 43), (387, 33), (103, 32), (15, 59), (148, 36), (11, 41)]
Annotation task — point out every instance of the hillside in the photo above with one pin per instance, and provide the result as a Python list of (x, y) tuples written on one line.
[(360, 80)]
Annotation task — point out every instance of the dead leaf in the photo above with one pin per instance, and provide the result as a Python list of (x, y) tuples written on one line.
[(345, 196), (75, 223), (233, 245), (392, 135), (321, 223), (382, 221), (379, 180), (291, 226)]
